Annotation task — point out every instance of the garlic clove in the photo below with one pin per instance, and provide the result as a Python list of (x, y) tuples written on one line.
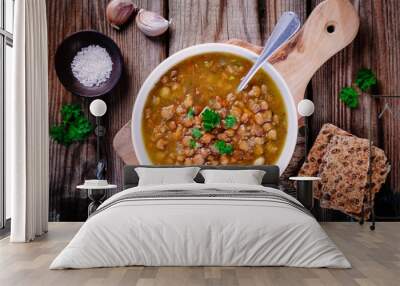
[(118, 12), (150, 23)]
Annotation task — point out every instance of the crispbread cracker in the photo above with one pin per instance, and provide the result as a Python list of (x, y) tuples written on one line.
[(343, 173), (318, 150), (380, 168), (315, 164)]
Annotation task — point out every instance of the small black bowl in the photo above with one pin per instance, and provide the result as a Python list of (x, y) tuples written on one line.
[(71, 46)]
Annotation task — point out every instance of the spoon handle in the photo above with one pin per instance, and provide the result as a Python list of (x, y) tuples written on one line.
[(288, 25)]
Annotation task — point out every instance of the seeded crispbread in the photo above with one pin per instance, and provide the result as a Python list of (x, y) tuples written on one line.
[(343, 173), (314, 158), (380, 166)]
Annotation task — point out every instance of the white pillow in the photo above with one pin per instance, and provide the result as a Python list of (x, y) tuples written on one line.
[(248, 177), (164, 176)]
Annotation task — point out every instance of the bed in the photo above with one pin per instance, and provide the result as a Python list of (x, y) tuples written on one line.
[(197, 224)]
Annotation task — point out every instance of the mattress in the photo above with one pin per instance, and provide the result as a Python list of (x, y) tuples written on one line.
[(201, 225)]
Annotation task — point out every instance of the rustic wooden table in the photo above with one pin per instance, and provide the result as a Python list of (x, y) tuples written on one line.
[(376, 46)]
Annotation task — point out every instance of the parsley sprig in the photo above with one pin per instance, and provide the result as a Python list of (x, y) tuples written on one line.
[(349, 96), (190, 113), (196, 133), (223, 147), (210, 118), (74, 125), (192, 144), (364, 81), (230, 121)]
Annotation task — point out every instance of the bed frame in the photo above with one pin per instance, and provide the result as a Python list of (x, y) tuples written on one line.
[(271, 177)]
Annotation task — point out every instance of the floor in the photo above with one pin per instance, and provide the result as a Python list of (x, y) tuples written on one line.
[(375, 257)]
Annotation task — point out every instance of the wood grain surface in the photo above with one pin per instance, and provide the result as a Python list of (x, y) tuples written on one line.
[(374, 256), (70, 166), (296, 61), (193, 22)]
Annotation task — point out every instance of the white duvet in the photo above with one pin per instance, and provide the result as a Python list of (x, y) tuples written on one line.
[(200, 231)]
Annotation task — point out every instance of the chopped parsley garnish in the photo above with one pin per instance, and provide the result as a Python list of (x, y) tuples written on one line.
[(190, 113), (349, 96), (230, 121), (211, 119), (196, 133), (74, 126), (192, 144), (223, 148), (365, 79)]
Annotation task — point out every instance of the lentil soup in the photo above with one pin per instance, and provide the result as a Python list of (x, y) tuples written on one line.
[(193, 115)]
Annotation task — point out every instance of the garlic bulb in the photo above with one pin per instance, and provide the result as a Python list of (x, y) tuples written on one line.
[(150, 23), (118, 12)]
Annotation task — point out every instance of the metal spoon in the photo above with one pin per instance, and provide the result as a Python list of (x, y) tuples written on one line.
[(288, 25)]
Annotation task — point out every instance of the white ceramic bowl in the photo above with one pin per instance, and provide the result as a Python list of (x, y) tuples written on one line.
[(167, 64)]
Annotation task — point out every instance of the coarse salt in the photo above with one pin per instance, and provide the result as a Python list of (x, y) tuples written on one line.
[(92, 66)]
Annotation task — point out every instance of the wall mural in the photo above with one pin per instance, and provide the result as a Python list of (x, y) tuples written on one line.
[(114, 102)]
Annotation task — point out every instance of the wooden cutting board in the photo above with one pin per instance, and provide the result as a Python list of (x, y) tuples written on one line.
[(332, 25)]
